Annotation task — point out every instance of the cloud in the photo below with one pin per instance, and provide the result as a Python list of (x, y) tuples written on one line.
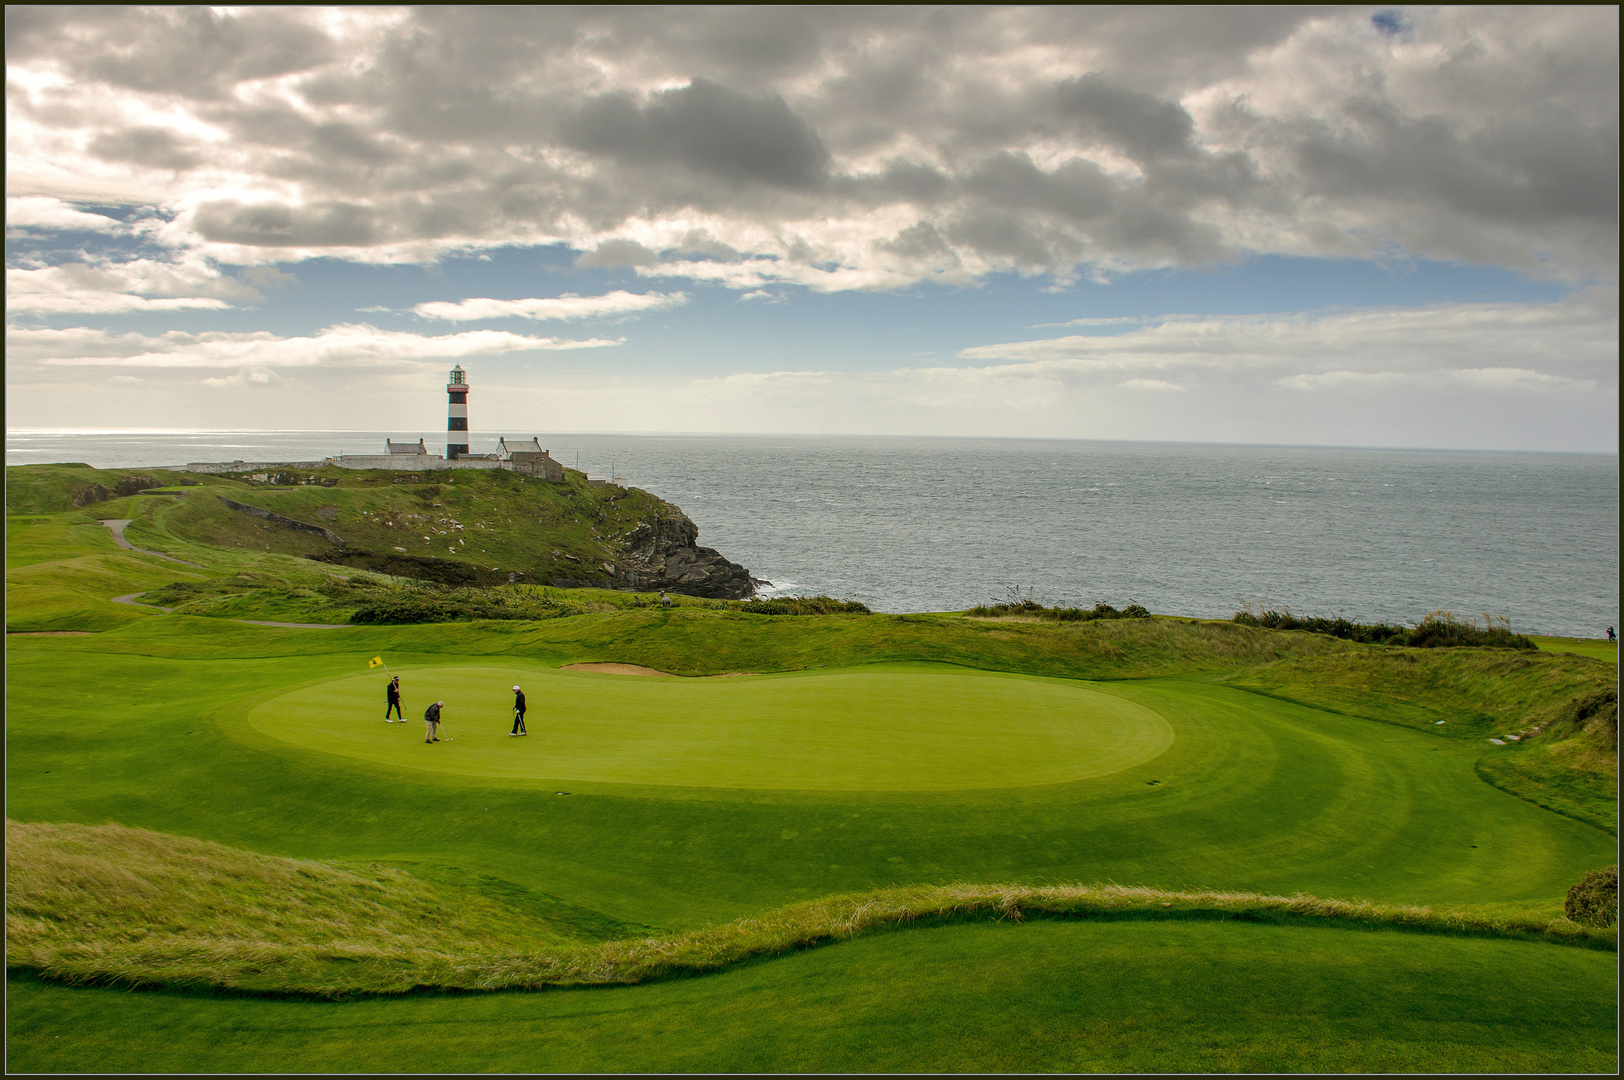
[(899, 145), (154, 147), (720, 133), (1494, 376), (614, 253), (568, 306), (269, 277), (1574, 339), (253, 378), (1504, 379), (87, 302), (42, 213), (187, 282), (1143, 125), (348, 345)]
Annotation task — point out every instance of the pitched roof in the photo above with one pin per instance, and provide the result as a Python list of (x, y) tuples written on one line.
[(404, 447)]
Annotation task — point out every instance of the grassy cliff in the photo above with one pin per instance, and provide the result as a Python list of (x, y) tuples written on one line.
[(463, 527)]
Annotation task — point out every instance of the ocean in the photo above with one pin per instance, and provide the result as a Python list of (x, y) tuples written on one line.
[(936, 524)]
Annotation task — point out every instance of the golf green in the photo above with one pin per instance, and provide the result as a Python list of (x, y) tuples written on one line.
[(881, 728)]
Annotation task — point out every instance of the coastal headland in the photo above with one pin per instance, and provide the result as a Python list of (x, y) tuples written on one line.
[(1120, 841), (452, 527)]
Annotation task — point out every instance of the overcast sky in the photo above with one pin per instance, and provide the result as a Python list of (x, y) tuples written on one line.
[(1344, 226)]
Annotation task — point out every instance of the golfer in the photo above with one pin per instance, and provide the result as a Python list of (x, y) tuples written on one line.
[(518, 713), (431, 718), (392, 701)]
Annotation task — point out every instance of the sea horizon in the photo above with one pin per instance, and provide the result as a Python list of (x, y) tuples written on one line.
[(434, 434), (908, 523)]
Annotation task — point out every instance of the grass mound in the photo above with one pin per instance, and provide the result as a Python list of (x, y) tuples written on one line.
[(45, 489), (109, 904), (1556, 714), (1566, 761)]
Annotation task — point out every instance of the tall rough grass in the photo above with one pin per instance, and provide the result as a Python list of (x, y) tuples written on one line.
[(803, 605), (368, 599), (1017, 605), (1437, 629), (109, 904)]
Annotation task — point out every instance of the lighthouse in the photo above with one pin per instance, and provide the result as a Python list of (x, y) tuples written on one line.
[(456, 420)]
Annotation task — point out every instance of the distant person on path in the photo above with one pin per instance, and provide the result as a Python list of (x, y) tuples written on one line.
[(392, 701), (431, 718), (518, 713), (1611, 636)]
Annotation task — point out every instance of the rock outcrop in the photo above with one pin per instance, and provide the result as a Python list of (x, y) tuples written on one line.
[(286, 522), (664, 553), (129, 485)]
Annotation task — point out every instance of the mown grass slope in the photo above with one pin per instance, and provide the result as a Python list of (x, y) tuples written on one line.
[(114, 905), (1555, 715)]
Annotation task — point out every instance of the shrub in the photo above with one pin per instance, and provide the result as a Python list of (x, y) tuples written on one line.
[(1438, 629), (1027, 606), (804, 605), (1594, 901), (428, 604)]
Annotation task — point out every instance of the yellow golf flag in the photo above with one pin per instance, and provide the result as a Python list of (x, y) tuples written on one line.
[(376, 661)]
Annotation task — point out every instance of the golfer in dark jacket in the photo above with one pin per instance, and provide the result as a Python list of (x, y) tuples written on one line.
[(518, 713), (431, 717), (392, 701)]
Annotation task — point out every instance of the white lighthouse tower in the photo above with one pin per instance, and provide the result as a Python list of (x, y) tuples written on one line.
[(456, 421)]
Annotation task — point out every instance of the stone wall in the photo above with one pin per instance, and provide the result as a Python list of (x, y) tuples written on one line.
[(412, 462), (537, 465), (541, 465), (217, 467)]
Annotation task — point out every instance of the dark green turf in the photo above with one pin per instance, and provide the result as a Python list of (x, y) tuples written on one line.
[(1046, 996)]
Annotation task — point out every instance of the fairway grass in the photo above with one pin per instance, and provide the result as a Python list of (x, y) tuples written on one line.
[(1595, 648), (885, 728), (1085, 996), (921, 771)]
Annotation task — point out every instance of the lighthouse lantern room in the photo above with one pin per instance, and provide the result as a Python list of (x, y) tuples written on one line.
[(456, 423)]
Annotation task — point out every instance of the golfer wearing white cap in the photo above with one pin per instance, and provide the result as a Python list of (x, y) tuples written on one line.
[(518, 713)]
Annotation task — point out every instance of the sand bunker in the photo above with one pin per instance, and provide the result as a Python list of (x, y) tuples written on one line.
[(617, 669), (636, 669)]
